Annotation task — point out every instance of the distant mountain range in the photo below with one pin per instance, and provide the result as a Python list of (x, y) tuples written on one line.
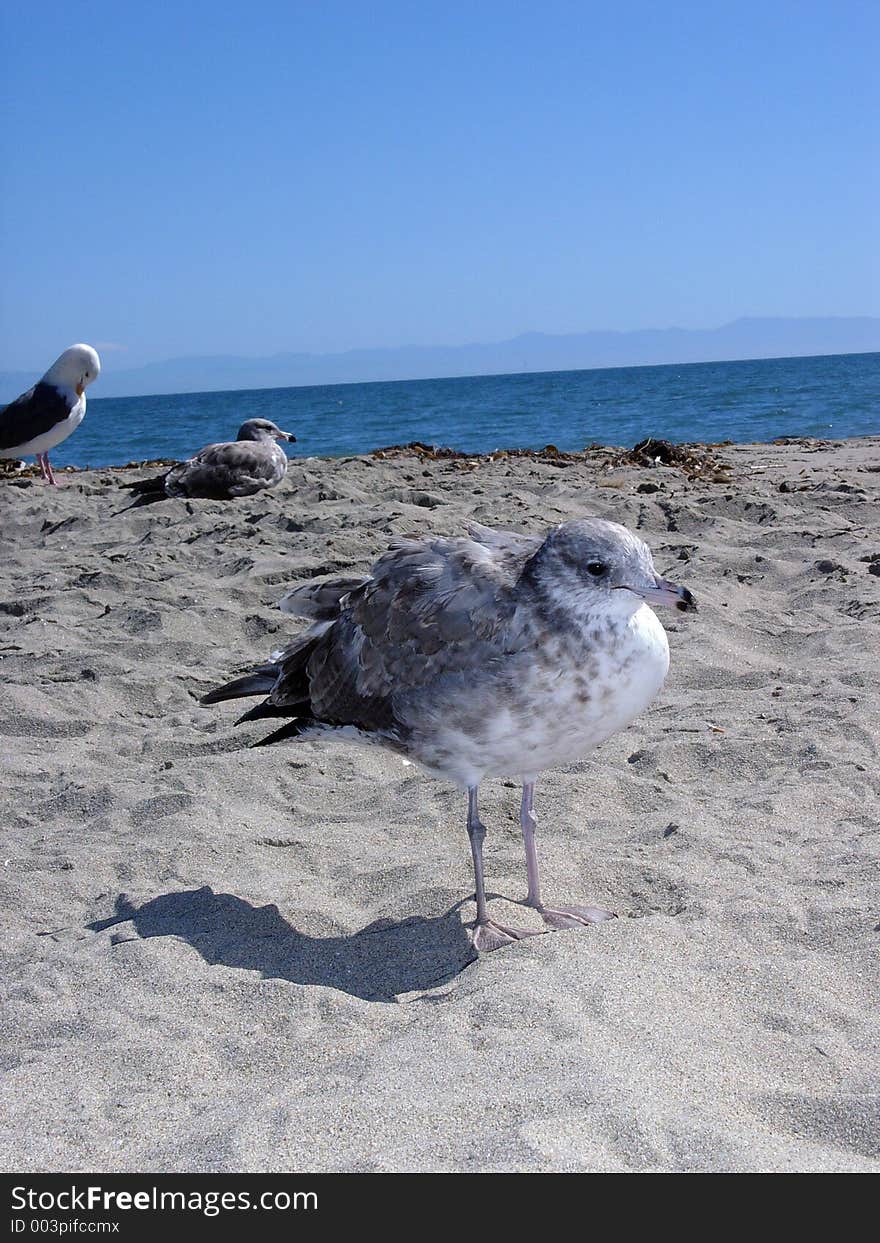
[(533, 351)]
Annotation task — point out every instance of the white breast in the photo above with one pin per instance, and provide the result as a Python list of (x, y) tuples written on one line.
[(557, 715), (633, 677), (54, 436)]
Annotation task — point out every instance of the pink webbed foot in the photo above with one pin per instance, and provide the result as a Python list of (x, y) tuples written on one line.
[(557, 917), (490, 935)]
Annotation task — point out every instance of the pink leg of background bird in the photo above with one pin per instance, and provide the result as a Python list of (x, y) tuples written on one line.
[(47, 473)]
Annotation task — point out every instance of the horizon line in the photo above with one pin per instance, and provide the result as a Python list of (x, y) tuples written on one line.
[(486, 375)]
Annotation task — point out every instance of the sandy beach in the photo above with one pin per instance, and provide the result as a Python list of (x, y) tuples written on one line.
[(219, 958)]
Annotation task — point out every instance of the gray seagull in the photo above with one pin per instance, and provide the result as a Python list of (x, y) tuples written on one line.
[(240, 467), (501, 655)]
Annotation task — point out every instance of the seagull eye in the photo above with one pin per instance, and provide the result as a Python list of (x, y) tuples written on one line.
[(597, 568)]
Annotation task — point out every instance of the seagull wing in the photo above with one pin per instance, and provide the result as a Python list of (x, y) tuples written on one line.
[(434, 615), (32, 414), (319, 599), (510, 546), (222, 471), (434, 609)]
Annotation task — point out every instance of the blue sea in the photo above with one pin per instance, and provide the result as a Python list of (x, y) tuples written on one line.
[(833, 397)]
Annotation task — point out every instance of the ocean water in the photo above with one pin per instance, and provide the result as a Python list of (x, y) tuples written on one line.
[(833, 396)]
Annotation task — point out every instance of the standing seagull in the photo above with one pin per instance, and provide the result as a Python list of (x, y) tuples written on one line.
[(240, 467), (499, 655), (49, 412)]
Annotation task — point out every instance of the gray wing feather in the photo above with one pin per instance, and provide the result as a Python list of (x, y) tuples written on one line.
[(510, 547), (433, 609), (320, 600), (495, 537), (435, 615), (221, 471)]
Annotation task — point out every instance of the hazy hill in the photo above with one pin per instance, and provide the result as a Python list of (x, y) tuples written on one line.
[(533, 351)]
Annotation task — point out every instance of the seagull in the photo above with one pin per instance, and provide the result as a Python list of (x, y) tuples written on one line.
[(240, 467), (498, 655), (49, 412)]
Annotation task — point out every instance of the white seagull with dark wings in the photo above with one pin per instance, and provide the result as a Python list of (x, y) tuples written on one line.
[(496, 656), (49, 412)]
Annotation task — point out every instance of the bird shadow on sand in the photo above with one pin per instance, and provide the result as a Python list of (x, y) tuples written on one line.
[(377, 963)]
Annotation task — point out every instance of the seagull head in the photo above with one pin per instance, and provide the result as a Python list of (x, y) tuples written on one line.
[(263, 429), (599, 565), (76, 368)]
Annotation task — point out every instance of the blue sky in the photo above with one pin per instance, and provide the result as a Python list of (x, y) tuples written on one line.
[(251, 178)]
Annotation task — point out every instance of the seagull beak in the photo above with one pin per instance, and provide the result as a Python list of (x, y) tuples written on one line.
[(79, 388), (287, 436), (664, 592)]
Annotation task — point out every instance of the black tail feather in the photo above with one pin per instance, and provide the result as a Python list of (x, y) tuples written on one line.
[(259, 682), (284, 679), (156, 483), (293, 729), (145, 498), (265, 709), (145, 492)]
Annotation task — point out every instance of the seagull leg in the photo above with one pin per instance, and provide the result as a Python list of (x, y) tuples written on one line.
[(487, 934), (554, 916), (51, 477), (528, 821), (42, 466)]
